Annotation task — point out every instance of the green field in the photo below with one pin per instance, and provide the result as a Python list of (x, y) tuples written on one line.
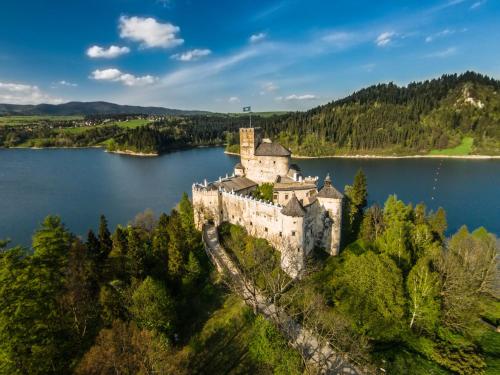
[(130, 124), (22, 120), (463, 148)]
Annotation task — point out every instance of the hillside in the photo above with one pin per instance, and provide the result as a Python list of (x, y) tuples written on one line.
[(388, 119), (88, 108), (454, 115)]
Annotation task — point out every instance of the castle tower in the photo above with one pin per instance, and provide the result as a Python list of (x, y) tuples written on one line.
[(250, 138), (331, 200)]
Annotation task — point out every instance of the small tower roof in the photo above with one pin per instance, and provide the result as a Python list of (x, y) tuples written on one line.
[(328, 191), (293, 208)]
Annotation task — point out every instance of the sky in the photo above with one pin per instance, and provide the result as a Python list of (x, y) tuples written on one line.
[(223, 55)]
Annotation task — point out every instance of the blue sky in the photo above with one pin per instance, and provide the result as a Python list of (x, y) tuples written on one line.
[(222, 55)]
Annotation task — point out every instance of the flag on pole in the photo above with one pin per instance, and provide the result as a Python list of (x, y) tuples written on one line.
[(247, 109)]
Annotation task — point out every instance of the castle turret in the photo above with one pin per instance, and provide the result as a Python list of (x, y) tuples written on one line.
[(292, 248), (331, 200)]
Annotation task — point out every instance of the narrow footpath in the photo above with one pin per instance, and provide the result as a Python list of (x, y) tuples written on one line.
[(317, 353)]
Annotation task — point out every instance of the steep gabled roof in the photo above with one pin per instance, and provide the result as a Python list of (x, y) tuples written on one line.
[(293, 208), (271, 149), (328, 191)]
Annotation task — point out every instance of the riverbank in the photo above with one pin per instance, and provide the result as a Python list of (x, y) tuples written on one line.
[(133, 153), (478, 157)]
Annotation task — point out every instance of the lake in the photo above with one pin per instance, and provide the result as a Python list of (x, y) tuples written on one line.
[(81, 184)]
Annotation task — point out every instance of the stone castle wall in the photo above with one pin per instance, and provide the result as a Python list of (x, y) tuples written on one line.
[(260, 219), (265, 168)]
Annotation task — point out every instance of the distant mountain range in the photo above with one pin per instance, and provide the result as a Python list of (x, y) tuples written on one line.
[(89, 108)]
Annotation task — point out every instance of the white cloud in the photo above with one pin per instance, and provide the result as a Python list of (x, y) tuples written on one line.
[(477, 4), (234, 99), (385, 38), (149, 32), (440, 34), (296, 97), (341, 39), (269, 87), (97, 52), (187, 75), (443, 54), (115, 75), (66, 83), (191, 55), (18, 93), (257, 37)]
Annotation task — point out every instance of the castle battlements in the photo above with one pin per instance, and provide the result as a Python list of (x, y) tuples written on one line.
[(300, 216)]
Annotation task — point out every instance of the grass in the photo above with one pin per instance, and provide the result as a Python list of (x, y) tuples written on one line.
[(131, 124), (77, 130), (23, 120), (463, 148)]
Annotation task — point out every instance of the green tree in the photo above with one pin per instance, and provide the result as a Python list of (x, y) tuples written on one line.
[(356, 202), (396, 238), (137, 254), (160, 248), (422, 286), (267, 345), (106, 244), (152, 307), (438, 222), (35, 335), (369, 288), (176, 246), (113, 301)]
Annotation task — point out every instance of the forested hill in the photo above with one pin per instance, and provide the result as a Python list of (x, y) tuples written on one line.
[(450, 115), (89, 108), (453, 110)]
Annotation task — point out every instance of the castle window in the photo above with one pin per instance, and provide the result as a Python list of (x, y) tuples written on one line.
[(265, 229), (251, 223), (274, 161), (281, 234), (286, 196), (293, 233)]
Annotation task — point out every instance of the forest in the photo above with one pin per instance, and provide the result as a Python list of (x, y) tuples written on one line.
[(145, 298), (453, 114)]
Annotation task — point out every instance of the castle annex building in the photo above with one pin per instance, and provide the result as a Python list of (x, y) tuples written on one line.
[(299, 218)]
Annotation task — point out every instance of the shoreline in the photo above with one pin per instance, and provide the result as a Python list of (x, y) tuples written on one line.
[(470, 157), (357, 156), (132, 153)]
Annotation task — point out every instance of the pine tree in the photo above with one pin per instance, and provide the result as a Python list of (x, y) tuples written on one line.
[(106, 244), (356, 202)]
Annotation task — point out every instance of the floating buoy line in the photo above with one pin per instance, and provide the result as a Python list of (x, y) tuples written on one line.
[(434, 188)]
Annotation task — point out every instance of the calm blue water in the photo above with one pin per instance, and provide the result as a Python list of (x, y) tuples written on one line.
[(81, 184)]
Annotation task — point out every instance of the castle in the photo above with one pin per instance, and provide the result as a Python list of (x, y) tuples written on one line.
[(300, 216)]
